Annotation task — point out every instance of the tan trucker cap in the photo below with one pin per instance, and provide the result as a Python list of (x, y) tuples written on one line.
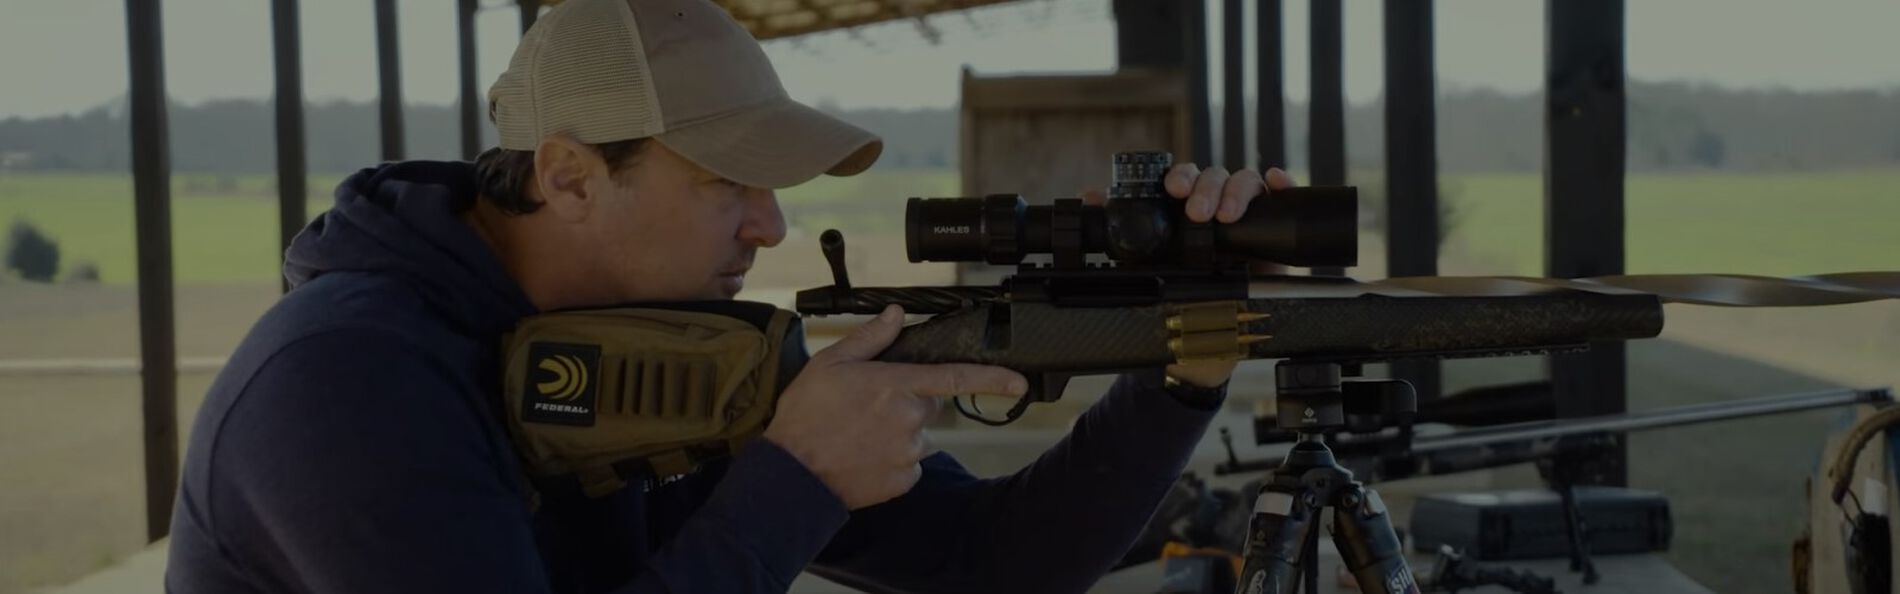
[(680, 71)]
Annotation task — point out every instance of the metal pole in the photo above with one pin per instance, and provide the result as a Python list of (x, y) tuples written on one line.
[(1685, 415), (151, 191), (389, 87), (291, 190), (1411, 157), (1270, 123), (1327, 131), (471, 102), (1234, 101), (1194, 21), (1583, 192), (1608, 424), (530, 10)]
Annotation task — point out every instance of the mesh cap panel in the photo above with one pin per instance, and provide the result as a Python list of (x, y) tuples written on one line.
[(581, 71)]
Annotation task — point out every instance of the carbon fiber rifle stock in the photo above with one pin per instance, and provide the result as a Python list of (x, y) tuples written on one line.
[(1284, 318), (1316, 319)]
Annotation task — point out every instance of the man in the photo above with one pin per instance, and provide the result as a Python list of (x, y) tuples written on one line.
[(355, 441)]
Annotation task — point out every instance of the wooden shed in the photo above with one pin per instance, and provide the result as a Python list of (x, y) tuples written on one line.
[(1052, 136)]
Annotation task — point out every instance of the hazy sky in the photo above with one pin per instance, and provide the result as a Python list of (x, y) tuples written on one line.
[(69, 55)]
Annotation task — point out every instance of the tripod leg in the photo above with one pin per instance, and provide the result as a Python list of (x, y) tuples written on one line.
[(1579, 546), (1372, 552), (1309, 566), (1276, 540)]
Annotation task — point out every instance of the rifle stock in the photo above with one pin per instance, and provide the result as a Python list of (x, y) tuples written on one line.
[(1050, 343)]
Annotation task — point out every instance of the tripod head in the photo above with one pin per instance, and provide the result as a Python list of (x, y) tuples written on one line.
[(1283, 535), (1313, 399)]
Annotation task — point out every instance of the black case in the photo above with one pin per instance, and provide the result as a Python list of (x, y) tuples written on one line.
[(1529, 524)]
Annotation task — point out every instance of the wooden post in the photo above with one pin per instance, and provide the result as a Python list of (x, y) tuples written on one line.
[(1270, 121), (389, 78), (1411, 157), (151, 198), (1327, 133), (1233, 96), (530, 10), (286, 39), (1585, 135), (1202, 130), (471, 101)]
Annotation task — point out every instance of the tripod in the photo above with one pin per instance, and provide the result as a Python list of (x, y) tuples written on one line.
[(1282, 540)]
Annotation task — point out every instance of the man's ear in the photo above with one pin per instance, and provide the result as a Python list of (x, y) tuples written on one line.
[(562, 167)]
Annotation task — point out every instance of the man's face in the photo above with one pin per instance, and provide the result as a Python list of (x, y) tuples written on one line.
[(670, 230)]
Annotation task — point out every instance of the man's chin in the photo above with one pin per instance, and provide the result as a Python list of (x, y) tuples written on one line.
[(728, 287)]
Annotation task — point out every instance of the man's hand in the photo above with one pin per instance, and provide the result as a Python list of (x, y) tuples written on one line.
[(1216, 195), (858, 424)]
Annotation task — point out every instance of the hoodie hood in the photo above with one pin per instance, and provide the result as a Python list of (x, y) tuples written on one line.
[(404, 220)]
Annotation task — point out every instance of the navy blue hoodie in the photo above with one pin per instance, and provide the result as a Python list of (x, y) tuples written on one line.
[(354, 444)]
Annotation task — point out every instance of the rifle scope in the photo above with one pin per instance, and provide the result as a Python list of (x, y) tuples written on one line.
[(1140, 223)]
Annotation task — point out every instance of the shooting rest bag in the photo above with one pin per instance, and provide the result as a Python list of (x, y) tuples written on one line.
[(611, 396)]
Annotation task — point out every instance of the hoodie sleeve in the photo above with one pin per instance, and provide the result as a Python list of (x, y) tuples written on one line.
[(1057, 525), (354, 464)]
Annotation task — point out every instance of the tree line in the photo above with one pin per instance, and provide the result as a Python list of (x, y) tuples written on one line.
[(1671, 126)]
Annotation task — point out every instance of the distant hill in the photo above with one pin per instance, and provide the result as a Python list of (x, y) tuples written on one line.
[(1671, 126), (239, 136)]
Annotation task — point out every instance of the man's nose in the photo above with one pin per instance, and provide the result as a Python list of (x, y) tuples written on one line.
[(764, 222)]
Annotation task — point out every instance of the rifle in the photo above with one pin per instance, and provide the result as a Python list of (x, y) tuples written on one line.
[(1179, 291), (1176, 291)]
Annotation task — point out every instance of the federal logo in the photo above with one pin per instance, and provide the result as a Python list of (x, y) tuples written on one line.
[(563, 386), (570, 377)]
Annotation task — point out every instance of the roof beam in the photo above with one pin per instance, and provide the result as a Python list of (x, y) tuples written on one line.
[(816, 16)]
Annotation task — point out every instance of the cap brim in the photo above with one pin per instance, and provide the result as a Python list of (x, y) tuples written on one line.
[(776, 145)]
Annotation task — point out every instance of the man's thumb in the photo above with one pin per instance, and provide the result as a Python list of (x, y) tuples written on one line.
[(869, 339)]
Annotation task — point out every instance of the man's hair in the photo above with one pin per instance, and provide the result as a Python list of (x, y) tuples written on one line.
[(502, 176)]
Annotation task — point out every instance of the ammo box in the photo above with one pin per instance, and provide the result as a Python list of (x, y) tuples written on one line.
[(1529, 523)]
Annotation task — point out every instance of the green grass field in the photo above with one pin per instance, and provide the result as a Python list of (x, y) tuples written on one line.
[(226, 231), (219, 234), (1786, 224), (1775, 224)]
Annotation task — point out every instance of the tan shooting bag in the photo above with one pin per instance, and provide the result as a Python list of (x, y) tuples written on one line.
[(651, 391)]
